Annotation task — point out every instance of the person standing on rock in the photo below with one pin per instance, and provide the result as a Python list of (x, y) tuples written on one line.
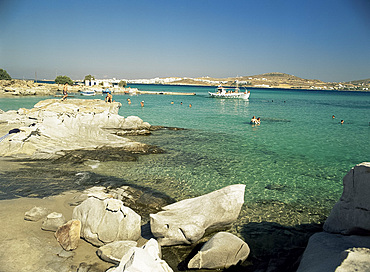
[(65, 91), (109, 97)]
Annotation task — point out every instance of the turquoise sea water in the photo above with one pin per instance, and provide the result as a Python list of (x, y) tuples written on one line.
[(297, 156)]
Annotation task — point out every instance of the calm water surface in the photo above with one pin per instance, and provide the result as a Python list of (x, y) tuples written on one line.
[(297, 156)]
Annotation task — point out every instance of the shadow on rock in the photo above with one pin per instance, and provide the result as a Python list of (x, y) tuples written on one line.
[(275, 247)]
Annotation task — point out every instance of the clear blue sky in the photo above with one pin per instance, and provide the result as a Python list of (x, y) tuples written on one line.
[(314, 39)]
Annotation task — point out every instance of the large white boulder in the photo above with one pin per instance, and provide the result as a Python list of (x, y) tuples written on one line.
[(221, 251), (144, 259), (106, 221), (186, 221), (351, 214)]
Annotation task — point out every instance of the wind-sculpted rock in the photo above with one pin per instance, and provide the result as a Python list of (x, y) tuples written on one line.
[(53, 127), (106, 221), (186, 221), (145, 259), (221, 251), (351, 214)]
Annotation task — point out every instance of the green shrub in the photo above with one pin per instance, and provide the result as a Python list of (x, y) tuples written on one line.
[(4, 75), (63, 80)]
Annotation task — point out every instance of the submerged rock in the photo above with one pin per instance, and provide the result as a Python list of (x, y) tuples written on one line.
[(186, 221)]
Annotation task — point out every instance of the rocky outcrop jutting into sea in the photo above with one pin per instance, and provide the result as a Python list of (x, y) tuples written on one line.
[(53, 126)]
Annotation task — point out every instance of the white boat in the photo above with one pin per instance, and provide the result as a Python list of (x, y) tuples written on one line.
[(88, 93), (222, 92)]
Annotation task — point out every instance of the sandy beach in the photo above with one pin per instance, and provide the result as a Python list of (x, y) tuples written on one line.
[(26, 247)]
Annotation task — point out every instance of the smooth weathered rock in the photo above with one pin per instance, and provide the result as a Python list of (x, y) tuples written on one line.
[(221, 251), (144, 259), (113, 252), (106, 221), (36, 213), (328, 252), (53, 221), (186, 221), (356, 259), (351, 214), (53, 127), (68, 235)]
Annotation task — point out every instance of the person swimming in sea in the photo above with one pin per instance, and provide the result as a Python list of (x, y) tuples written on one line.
[(253, 120)]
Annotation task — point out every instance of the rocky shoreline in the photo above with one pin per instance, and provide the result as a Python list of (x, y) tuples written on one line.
[(79, 131), (17, 87)]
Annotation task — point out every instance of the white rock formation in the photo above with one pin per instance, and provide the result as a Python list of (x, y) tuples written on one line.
[(186, 221), (53, 126), (106, 221), (351, 214), (221, 251), (144, 259), (113, 252)]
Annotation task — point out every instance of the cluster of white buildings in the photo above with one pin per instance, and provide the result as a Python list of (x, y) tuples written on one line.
[(156, 80), (105, 83), (114, 82)]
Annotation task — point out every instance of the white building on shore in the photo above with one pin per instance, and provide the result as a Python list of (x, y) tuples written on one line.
[(104, 83)]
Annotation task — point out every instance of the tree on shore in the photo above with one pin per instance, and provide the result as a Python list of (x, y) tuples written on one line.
[(4, 75), (122, 84), (63, 80), (89, 78)]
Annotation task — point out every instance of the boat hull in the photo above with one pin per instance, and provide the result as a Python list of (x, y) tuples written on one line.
[(89, 93), (230, 95)]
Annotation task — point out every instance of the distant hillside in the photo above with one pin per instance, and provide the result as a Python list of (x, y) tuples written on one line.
[(268, 80), (364, 82)]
